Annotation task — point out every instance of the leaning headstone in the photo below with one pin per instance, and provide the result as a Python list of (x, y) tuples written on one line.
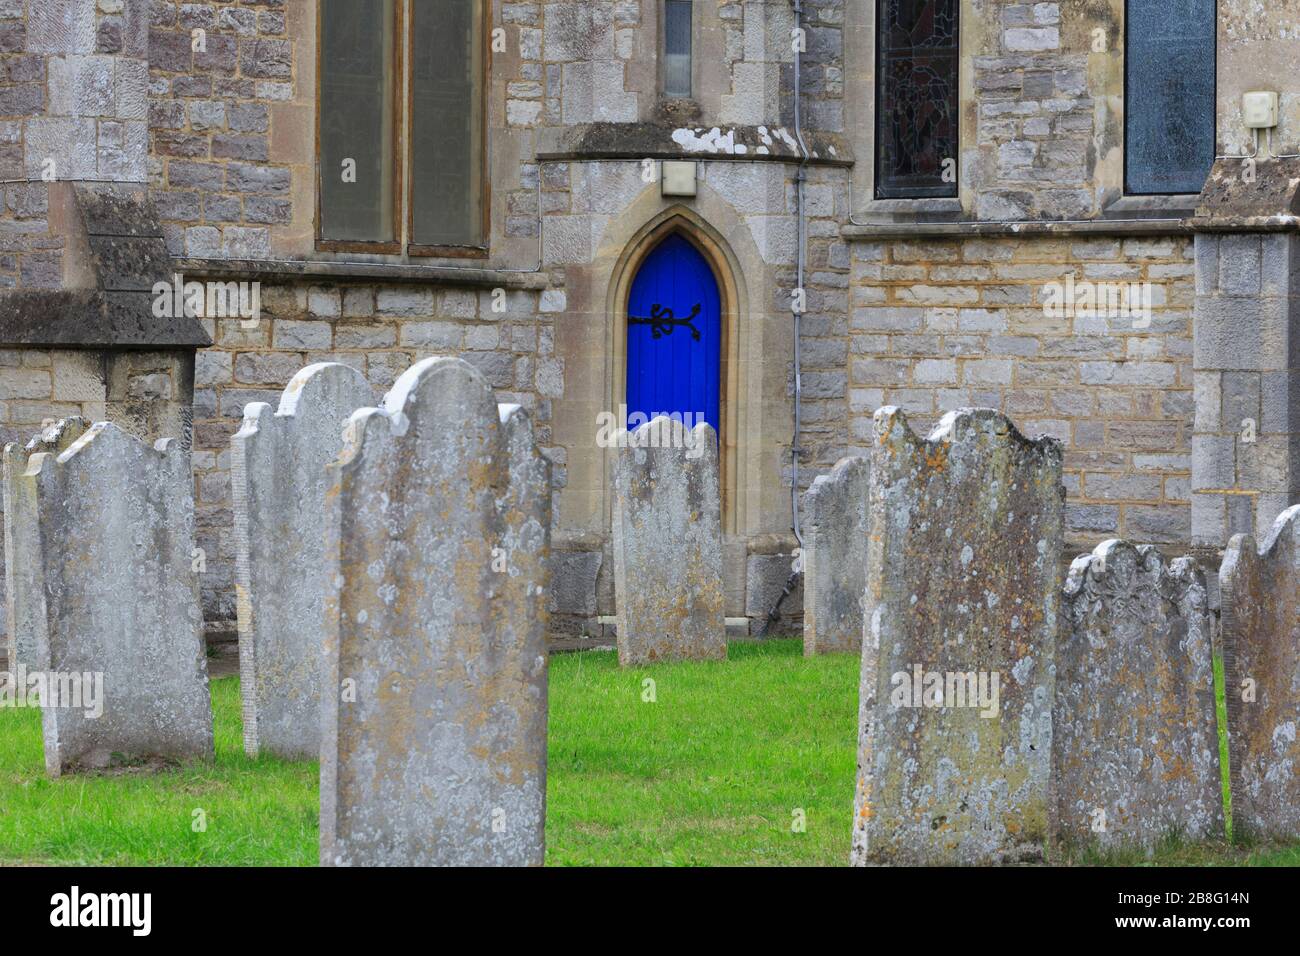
[(1261, 664), (1135, 746), (278, 486), (668, 544), (433, 746), (114, 542), (960, 614), (24, 591), (835, 557)]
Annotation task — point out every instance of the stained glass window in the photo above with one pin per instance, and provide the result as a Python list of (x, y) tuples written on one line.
[(1169, 64), (916, 106)]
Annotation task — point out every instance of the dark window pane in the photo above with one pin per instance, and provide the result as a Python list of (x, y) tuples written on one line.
[(1169, 95), (447, 123), (677, 47), (356, 120), (916, 106)]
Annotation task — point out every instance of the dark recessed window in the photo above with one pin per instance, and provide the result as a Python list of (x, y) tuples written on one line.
[(677, 48), (356, 120), (402, 126), (916, 100), (1169, 63)]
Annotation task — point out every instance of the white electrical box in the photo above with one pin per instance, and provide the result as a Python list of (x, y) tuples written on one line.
[(677, 178), (1259, 109)]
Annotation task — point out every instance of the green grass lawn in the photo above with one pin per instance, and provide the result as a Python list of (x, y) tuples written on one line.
[(712, 771)]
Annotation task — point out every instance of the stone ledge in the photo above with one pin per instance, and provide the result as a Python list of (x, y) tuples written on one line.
[(193, 267), (595, 141), (1038, 227)]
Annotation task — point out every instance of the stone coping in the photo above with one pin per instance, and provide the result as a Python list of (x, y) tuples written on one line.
[(960, 229), (194, 267)]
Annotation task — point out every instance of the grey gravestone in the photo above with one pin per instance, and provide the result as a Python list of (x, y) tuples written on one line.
[(278, 488), (24, 590), (835, 556), (1135, 746), (433, 747), (115, 542), (1261, 663), (962, 593), (668, 544)]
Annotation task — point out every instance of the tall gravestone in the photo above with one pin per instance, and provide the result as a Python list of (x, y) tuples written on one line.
[(1135, 746), (278, 486), (1261, 664), (113, 543), (835, 556), (434, 697), (24, 589), (959, 636), (668, 544)]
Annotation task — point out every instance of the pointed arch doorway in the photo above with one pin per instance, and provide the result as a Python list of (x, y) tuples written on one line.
[(732, 419), (674, 336)]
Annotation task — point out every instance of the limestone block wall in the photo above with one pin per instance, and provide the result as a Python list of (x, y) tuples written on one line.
[(72, 107), (940, 324), (215, 113)]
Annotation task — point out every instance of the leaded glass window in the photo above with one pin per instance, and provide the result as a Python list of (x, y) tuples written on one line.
[(916, 105), (677, 48), (1169, 64)]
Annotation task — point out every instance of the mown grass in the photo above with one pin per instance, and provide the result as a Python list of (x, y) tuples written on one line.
[(711, 768)]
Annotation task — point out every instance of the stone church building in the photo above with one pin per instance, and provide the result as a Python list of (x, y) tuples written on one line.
[(775, 215)]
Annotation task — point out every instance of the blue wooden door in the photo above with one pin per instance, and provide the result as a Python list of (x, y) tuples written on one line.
[(674, 335)]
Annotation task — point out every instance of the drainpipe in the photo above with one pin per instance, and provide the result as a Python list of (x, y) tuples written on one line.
[(800, 177)]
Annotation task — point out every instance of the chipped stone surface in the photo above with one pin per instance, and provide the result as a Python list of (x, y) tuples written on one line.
[(24, 588), (434, 702), (114, 540), (835, 555), (1261, 645), (668, 544), (1135, 747), (963, 576), (278, 461)]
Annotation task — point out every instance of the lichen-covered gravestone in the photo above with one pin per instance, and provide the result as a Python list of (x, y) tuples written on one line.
[(1261, 663), (835, 556), (114, 539), (433, 747), (960, 615), (668, 544), (278, 488), (1135, 746), (24, 590)]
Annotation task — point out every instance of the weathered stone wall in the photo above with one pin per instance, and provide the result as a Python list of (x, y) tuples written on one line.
[(212, 96), (937, 325), (72, 107)]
